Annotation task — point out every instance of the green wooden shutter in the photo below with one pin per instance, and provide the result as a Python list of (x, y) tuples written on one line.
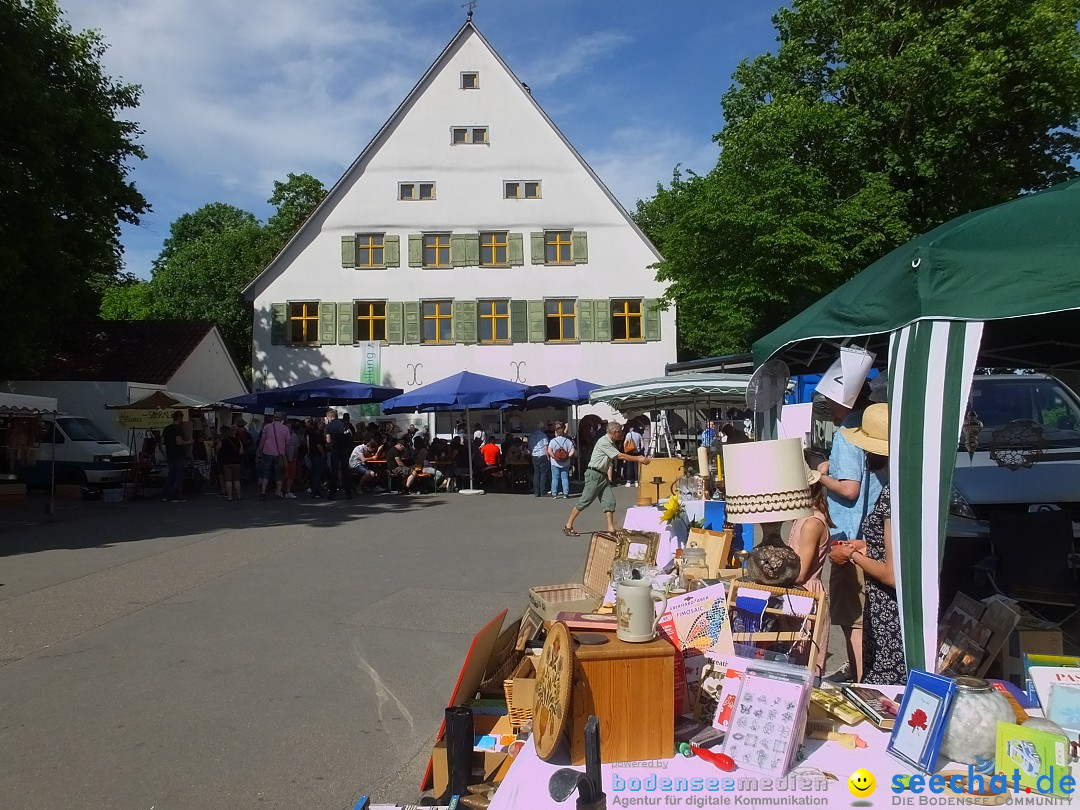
[(395, 330), (327, 322), (602, 320), (537, 247), (586, 323), (416, 250), (392, 251), (515, 249), (519, 321), (465, 321), (537, 332), (348, 251), (412, 321), (651, 318), (279, 321), (472, 249), (458, 250), (346, 323), (579, 251)]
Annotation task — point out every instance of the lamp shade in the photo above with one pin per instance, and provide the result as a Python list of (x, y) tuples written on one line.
[(766, 481)]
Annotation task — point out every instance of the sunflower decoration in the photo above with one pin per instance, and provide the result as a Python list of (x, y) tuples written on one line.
[(672, 509)]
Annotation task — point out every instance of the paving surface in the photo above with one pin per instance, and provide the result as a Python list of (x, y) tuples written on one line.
[(278, 654)]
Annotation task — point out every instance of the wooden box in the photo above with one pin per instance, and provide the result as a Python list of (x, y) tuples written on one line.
[(484, 763), (669, 469), (550, 600), (631, 689)]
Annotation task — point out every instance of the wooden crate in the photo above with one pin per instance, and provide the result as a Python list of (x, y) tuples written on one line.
[(584, 597), (818, 630), (630, 688)]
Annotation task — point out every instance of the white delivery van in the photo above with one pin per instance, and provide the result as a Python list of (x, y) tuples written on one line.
[(84, 454)]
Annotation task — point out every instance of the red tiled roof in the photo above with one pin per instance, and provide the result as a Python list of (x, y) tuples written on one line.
[(132, 351)]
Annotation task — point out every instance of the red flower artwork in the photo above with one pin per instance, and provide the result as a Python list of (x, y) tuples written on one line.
[(918, 719)]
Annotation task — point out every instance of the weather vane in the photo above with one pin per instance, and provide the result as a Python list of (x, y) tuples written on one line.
[(470, 6)]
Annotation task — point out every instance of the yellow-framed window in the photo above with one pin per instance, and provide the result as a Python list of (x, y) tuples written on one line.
[(493, 249), (303, 322), (557, 247), (416, 191), (493, 321), (461, 135), (436, 250), (370, 250), (560, 320), (438, 321), (626, 319), (532, 189), (370, 320), (470, 80)]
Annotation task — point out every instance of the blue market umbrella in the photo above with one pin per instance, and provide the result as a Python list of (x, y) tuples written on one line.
[(463, 391), (326, 391), (571, 392)]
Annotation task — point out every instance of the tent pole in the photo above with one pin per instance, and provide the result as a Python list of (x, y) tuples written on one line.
[(468, 437), (52, 469)]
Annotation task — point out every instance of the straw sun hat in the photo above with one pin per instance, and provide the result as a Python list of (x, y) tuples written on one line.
[(873, 435)]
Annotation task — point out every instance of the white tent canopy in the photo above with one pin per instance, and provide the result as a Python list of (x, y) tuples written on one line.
[(679, 391), (26, 404)]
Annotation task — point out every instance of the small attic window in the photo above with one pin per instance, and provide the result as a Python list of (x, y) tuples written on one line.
[(470, 80)]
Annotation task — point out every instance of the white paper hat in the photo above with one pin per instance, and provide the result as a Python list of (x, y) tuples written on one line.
[(845, 378), (766, 481)]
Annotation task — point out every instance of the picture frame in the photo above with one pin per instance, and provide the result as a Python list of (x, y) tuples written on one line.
[(636, 546), (531, 623), (920, 725)]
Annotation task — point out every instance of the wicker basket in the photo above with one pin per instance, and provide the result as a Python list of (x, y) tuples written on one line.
[(519, 715)]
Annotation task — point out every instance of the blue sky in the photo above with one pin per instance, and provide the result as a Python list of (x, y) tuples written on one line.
[(238, 94)]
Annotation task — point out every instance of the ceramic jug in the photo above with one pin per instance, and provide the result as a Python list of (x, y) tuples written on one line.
[(636, 611)]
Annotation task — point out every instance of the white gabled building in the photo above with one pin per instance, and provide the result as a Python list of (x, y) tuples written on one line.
[(468, 235)]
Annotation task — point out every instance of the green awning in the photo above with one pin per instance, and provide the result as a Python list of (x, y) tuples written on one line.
[(1011, 261)]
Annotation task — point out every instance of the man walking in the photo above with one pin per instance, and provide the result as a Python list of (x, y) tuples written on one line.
[(174, 440), (273, 444), (597, 484), (541, 466)]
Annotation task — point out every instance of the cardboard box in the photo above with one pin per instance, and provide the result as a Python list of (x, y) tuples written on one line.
[(1022, 641), (584, 597), (484, 763)]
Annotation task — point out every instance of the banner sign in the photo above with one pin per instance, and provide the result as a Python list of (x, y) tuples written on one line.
[(145, 420), (371, 373)]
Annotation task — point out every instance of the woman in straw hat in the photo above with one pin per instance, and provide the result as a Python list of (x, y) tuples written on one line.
[(883, 646)]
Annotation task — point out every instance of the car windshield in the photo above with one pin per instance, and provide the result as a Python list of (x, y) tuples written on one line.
[(80, 429), (998, 401)]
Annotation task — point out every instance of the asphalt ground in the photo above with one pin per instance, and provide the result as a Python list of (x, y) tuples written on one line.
[(277, 654)]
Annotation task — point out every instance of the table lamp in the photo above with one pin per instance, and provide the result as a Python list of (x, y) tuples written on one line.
[(766, 482)]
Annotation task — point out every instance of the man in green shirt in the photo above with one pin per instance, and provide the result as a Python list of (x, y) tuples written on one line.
[(597, 484)]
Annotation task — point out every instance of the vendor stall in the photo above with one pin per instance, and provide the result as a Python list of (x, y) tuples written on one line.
[(20, 427), (995, 287)]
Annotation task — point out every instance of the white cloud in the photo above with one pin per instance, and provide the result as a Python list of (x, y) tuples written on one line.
[(572, 60), (634, 159)]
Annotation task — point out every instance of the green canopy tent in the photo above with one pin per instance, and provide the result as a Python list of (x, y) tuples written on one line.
[(999, 286)]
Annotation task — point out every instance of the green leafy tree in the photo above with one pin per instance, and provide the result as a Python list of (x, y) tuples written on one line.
[(208, 258), (294, 200), (873, 122), (130, 300), (64, 163)]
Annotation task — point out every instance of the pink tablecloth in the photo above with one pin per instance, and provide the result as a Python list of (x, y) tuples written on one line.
[(647, 519), (809, 784)]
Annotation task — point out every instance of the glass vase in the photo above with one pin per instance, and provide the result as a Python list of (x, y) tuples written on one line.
[(971, 733)]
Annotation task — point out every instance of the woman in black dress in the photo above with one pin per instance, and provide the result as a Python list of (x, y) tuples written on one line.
[(883, 645)]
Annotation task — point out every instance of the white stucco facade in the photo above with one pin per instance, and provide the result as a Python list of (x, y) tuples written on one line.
[(415, 146)]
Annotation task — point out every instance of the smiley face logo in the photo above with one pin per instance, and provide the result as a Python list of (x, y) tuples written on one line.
[(861, 783)]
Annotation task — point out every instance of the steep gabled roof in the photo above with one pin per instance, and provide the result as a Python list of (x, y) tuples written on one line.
[(125, 351), (379, 139)]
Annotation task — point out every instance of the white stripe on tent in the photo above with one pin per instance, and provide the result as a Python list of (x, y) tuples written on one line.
[(932, 364)]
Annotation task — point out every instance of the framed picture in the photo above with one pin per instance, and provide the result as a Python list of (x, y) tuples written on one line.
[(920, 725), (530, 628), (637, 546)]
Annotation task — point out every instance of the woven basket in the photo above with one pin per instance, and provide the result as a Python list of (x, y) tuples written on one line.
[(519, 715)]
